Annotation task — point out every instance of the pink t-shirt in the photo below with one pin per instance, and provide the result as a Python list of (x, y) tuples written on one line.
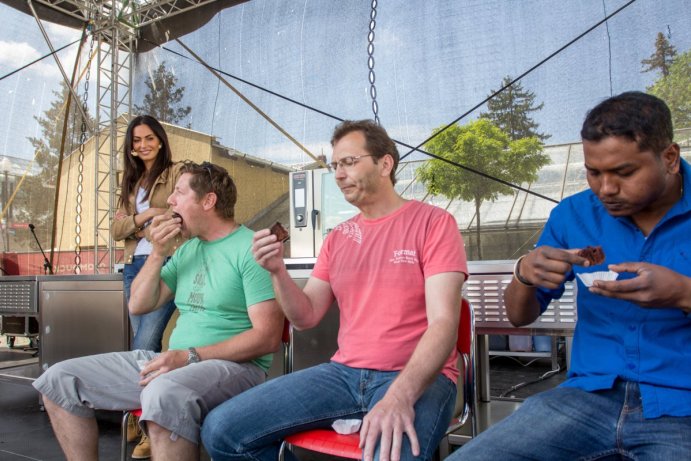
[(377, 271)]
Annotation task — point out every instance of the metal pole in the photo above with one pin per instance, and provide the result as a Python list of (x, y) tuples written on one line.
[(7, 215)]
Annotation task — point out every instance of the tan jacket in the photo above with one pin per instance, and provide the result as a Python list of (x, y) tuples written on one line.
[(125, 229)]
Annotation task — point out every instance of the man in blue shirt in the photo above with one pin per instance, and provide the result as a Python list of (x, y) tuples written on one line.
[(628, 392)]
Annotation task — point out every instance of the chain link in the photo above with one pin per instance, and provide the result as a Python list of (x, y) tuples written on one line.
[(370, 61), (80, 170)]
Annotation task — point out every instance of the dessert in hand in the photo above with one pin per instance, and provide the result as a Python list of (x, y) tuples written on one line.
[(593, 254), (280, 232), (177, 215)]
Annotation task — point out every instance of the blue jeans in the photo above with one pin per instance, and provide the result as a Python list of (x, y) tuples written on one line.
[(252, 425), (147, 328), (569, 423)]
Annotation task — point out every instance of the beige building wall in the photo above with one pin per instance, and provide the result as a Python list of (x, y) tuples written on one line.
[(259, 182)]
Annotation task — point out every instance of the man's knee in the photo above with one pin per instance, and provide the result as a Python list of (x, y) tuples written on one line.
[(49, 405), (209, 434), (164, 394), (60, 380), (214, 435), (156, 431)]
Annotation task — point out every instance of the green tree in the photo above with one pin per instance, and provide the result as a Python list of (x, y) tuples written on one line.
[(163, 98), (34, 201), (484, 147), (510, 111), (662, 58), (675, 90)]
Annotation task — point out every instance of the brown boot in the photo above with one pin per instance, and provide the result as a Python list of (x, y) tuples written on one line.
[(133, 429), (143, 448)]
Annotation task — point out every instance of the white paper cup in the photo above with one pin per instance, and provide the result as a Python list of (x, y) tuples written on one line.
[(588, 278)]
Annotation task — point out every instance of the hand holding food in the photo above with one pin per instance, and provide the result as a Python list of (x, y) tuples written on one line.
[(280, 232), (593, 254)]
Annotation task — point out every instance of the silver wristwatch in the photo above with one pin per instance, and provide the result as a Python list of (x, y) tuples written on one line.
[(193, 356)]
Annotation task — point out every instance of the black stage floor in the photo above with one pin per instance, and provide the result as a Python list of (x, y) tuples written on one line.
[(25, 432)]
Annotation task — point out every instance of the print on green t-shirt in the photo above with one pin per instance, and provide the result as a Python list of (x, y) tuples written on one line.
[(196, 297), (214, 284)]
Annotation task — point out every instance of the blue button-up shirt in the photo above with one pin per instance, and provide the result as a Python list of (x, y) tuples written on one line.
[(619, 339)]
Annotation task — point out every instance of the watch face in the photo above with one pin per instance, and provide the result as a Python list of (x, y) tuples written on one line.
[(192, 356)]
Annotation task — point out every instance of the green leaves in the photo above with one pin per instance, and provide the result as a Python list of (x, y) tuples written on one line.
[(675, 90), (484, 147)]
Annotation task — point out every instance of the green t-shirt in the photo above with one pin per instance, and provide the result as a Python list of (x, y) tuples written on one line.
[(214, 284)]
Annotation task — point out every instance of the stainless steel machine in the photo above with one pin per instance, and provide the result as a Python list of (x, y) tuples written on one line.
[(77, 314), (81, 315), (316, 207), (316, 345)]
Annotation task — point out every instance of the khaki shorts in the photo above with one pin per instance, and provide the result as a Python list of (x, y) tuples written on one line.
[(178, 400)]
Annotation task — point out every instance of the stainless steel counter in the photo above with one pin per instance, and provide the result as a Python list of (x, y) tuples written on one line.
[(77, 314), (81, 315)]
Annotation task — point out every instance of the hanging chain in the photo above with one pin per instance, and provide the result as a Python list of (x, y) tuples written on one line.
[(80, 171), (370, 61)]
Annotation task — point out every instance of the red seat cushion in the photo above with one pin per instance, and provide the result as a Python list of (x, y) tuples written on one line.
[(328, 441)]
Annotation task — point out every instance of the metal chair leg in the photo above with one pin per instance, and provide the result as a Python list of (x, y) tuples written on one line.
[(123, 442), (282, 450)]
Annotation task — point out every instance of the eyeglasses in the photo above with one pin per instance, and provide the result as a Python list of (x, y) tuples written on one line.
[(347, 161)]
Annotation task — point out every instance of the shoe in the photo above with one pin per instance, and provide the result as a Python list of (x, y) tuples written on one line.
[(133, 429), (143, 448)]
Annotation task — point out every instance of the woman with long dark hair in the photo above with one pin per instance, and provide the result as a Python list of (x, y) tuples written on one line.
[(149, 177)]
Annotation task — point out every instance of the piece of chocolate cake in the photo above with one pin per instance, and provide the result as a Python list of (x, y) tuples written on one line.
[(594, 254), (177, 215), (280, 232)]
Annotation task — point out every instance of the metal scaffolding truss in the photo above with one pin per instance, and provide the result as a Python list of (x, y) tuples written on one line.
[(146, 12), (116, 27), (114, 98), (132, 13), (75, 9)]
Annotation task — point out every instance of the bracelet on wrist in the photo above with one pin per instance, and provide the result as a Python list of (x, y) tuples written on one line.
[(517, 273)]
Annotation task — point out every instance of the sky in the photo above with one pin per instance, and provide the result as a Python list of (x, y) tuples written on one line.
[(433, 61)]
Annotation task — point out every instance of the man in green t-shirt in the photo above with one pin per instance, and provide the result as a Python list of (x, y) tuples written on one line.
[(229, 325)]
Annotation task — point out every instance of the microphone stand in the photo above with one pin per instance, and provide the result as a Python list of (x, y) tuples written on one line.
[(46, 264)]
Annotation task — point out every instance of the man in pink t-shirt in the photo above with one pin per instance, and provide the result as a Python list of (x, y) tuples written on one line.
[(396, 270)]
